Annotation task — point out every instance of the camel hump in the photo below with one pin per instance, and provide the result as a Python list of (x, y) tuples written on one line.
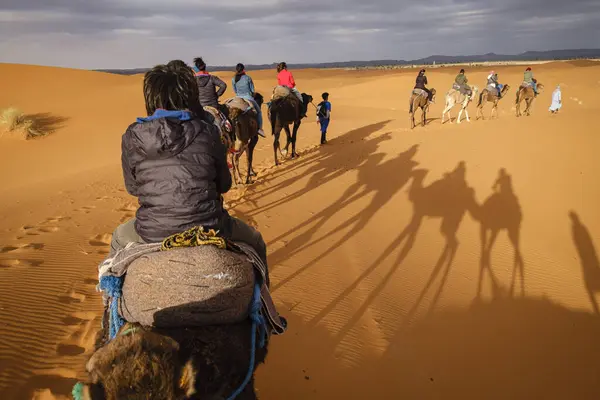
[(419, 92), (188, 287), (280, 92)]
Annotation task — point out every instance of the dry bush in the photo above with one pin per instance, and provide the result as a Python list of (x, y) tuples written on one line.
[(28, 126)]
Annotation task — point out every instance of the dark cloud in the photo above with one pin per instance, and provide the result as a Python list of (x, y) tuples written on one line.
[(137, 33)]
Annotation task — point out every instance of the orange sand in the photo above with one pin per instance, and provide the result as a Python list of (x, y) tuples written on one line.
[(371, 315)]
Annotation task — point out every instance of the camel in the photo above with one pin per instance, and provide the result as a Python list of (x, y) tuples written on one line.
[(526, 93), (221, 121), (487, 96), (454, 97), (245, 134), (419, 100), (501, 211), (284, 111), (141, 363)]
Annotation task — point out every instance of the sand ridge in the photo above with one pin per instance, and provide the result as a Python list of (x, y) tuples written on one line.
[(358, 234)]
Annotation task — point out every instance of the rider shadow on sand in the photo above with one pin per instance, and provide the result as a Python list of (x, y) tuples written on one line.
[(448, 198), (369, 181), (327, 165), (589, 258), (501, 211)]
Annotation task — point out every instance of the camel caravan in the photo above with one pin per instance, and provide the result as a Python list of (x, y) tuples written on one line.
[(462, 94), (188, 312)]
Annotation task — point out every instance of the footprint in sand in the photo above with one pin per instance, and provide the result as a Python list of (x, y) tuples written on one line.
[(72, 298), (81, 336), (11, 263), (49, 229), (101, 240)]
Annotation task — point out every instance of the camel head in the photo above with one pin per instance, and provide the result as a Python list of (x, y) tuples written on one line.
[(433, 94), (307, 98), (540, 87), (474, 91), (505, 89), (138, 364), (259, 99)]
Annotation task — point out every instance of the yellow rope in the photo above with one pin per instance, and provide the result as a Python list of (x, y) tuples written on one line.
[(193, 237)]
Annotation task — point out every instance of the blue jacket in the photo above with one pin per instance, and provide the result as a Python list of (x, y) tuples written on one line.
[(244, 87)]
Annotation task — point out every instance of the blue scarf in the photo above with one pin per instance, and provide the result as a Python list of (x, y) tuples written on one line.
[(160, 113)]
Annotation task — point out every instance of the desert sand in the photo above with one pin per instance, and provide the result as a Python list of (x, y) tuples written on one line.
[(377, 305)]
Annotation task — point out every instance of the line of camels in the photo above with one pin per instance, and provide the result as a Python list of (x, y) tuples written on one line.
[(418, 99)]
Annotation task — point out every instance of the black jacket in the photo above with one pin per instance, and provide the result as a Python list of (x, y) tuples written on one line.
[(178, 171), (421, 82), (209, 95)]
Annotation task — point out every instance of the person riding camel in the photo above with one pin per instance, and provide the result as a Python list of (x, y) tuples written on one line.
[(175, 163), (529, 80), (460, 83), (285, 78), (243, 86), (207, 85), (492, 82), (420, 84)]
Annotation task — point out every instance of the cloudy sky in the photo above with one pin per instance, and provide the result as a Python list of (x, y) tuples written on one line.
[(141, 33)]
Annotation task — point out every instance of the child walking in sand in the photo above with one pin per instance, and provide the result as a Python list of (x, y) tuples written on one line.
[(324, 116), (175, 164)]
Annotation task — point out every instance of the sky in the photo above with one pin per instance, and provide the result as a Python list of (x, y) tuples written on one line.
[(95, 34)]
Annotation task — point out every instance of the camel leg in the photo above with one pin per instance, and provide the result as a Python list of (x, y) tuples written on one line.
[(467, 114), (276, 145), (250, 157), (288, 140), (460, 113), (412, 120), (294, 136), (424, 116)]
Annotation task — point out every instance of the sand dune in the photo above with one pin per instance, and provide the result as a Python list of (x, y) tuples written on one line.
[(374, 239)]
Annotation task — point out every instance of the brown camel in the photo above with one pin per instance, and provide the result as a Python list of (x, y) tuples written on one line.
[(418, 99), (221, 121), (168, 364), (488, 96), (501, 211), (245, 134), (526, 93), (283, 111)]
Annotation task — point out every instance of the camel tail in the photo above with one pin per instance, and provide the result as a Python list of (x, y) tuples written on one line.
[(410, 109), (480, 99), (517, 99)]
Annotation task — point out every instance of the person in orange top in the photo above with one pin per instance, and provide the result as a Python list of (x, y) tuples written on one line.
[(285, 78)]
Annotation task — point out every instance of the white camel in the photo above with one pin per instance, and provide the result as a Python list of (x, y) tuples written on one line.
[(454, 97)]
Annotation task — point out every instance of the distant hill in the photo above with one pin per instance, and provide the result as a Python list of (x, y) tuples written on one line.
[(437, 59)]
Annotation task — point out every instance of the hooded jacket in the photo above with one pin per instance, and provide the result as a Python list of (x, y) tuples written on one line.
[(207, 87), (175, 164)]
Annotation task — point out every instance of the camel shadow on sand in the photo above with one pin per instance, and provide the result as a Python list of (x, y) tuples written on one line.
[(447, 199), (588, 256), (326, 163), (500, 211), (369, 182)]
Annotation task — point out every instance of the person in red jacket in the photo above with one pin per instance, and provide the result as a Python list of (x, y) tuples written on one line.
[(285, 78)]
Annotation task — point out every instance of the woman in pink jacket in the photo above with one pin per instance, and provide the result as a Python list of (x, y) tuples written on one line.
[(285, 78)]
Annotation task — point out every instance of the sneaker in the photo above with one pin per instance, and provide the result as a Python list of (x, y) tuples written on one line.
[(261, 133)]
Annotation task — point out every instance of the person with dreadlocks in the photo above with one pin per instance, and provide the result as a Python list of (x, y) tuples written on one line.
[(174, 162)]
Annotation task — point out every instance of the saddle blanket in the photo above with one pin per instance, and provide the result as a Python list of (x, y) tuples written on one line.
[(419, 92), (240, 103), (280, 92), (190, 286)]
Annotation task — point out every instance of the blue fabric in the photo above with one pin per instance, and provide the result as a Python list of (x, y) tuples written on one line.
[(257, 108), (259, 325), (244, 87), (327, 105), (324, 124), (160, 113), (112, 286)]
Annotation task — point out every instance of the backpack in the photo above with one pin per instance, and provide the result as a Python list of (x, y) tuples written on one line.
[(321, 110)]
